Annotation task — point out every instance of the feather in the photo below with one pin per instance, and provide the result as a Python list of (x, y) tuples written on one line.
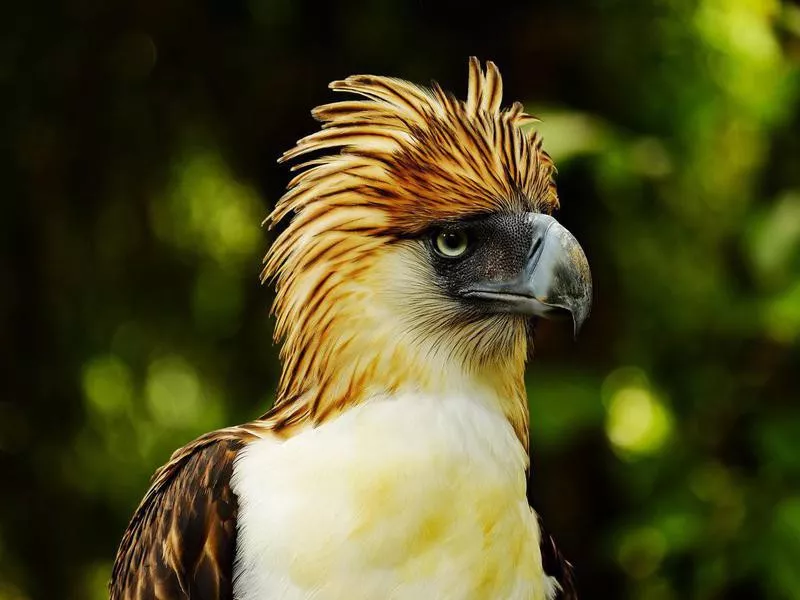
[(181, 540), (557, 567)]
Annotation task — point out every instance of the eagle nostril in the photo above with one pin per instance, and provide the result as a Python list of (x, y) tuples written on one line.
[(535, 248)]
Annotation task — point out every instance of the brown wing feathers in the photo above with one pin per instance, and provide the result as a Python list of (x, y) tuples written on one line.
[(556, 566), (180, 543)]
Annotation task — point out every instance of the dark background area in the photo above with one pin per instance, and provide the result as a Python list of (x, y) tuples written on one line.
[(139, 143)]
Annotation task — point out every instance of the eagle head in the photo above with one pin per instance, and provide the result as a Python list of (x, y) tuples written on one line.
[(420, 250)]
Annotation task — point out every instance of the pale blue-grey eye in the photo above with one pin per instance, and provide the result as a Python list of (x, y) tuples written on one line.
[(451, 244)]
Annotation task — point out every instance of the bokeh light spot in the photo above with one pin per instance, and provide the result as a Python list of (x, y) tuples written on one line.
[(641, 551), (637, 421), (172, 391), (107, 385), (208, 212)]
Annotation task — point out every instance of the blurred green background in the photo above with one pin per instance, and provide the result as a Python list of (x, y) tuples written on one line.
[(140, 141)]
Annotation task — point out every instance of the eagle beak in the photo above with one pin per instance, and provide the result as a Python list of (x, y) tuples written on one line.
[(554, 280)]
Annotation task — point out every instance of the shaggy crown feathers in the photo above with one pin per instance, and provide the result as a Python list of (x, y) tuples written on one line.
[(389, 165), (420, 154)]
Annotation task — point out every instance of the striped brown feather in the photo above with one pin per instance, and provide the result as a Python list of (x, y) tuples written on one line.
[(181, 541)]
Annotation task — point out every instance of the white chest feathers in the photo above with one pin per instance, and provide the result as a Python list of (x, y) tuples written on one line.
[(407, 498)]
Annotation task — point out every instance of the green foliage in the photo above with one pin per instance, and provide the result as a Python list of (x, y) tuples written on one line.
[(666, 440)]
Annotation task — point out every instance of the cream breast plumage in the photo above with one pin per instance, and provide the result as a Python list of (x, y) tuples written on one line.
[(419, 252)]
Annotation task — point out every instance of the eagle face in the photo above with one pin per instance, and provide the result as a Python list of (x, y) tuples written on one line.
[(516, 264), (476, 284)]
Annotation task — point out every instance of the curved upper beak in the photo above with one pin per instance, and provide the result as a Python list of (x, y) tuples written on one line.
[(555, 278)]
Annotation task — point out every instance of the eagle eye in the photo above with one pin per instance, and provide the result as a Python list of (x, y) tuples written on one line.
[(451, 244)]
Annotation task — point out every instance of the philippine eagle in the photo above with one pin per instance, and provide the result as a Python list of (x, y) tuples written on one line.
[(419, 252)]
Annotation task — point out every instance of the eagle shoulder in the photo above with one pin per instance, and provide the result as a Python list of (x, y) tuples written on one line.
[(181, 541)]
